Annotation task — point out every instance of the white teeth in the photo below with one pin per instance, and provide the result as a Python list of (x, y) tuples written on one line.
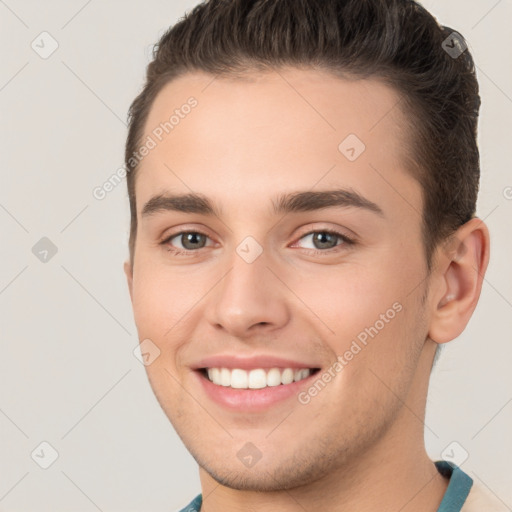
[(239, 379), (213, 374), (225, 377), (300, 374), (287, 376), (257, 378), (274, 377)]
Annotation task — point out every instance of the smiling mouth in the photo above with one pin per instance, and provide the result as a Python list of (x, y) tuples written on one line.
[(257, 378)]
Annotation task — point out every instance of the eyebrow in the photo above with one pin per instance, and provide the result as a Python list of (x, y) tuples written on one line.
[(286, 203)]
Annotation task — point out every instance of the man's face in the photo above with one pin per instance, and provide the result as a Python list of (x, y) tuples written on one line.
[(254, 282)]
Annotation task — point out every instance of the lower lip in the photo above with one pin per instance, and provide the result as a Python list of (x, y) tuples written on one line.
[(252, 400)]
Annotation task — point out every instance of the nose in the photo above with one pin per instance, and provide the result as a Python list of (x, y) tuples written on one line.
[(250, 297)]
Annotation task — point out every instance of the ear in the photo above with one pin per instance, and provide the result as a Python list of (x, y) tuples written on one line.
[(462, 264), (129, 277)]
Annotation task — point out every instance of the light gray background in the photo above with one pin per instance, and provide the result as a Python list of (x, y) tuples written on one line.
[(68, 373)]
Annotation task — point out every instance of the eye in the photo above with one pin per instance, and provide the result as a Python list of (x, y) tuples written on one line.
[(190, 241), (327, 240)]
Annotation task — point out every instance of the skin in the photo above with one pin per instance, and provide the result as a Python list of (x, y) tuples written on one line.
[(258, 137)]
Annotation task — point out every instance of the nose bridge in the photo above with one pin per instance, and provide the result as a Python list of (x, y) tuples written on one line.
[(249, 294)]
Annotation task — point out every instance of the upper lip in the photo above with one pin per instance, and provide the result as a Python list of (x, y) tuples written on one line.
[(248, 363)]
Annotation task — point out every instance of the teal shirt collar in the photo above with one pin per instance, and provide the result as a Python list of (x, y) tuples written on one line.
[(458, 488)]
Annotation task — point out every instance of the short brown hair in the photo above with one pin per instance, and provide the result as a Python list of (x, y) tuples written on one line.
[(397, 41)]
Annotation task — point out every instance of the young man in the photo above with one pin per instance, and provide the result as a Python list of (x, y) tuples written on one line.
[(303, 181)]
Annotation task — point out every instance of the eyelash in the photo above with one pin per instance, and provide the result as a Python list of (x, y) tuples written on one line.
[(347, 241)]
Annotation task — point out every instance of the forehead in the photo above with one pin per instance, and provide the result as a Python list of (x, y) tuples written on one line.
[(276, 131)]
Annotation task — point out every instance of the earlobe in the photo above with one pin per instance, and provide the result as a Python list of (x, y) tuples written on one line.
[(129, 277), (463, 264)]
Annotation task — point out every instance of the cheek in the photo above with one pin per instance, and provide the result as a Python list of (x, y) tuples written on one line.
[(367, 314), (166, 304), (154, 302), (346, 299)]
